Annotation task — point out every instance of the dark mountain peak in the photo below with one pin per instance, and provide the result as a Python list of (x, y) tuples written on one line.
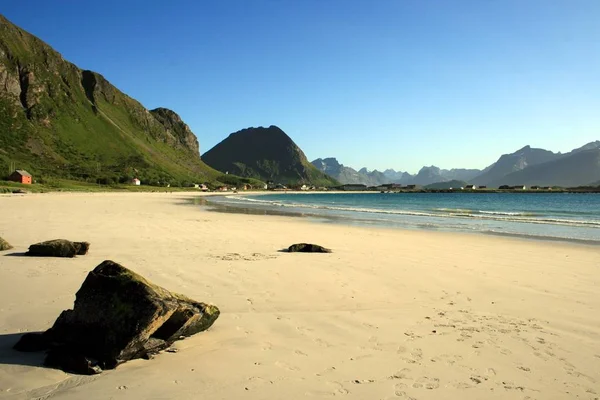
[(363, 170), (266, 154), (271, 132)]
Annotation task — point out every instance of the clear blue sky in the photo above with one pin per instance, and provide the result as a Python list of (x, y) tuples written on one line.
[(383, 84)]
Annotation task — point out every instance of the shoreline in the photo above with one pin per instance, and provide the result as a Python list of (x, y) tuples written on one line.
[(356, 221), (427, 314)]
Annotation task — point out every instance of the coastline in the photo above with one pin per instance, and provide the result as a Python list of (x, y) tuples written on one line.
[(456, 221), (389, 313)]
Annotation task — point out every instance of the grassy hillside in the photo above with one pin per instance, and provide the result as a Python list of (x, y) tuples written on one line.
[(58, 121), (265, 154)]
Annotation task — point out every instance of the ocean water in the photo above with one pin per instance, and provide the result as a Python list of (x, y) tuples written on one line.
[(567, 216)]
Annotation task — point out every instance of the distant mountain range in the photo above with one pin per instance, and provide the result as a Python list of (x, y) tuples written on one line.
[(526, 166), (343, 174), (426, 175), (268, 154)]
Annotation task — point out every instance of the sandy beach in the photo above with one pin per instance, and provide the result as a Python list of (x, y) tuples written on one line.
[(390, 314)]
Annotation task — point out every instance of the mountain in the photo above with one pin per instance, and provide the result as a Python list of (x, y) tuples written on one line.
[(509, 163), (460, 174), (589, 146), (427, 175), (453, 184), (397, 176), (573, 169), (373, 178), (341, 173), (57, 120), (266, 154), (433, 174), (346, 175)]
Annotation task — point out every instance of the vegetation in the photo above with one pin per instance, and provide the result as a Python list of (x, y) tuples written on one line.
[(64, 185), (62, 123), (266, 154)]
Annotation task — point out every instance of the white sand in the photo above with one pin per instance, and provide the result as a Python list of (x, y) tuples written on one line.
[(390, 314)]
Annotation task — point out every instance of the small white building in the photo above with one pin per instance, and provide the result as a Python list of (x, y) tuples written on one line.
[(304, 187), (136, 182)]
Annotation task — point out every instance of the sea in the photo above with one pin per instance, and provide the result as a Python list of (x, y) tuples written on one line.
[(549, 216)]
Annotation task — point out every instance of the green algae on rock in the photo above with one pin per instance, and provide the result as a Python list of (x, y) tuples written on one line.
[(118, 316)]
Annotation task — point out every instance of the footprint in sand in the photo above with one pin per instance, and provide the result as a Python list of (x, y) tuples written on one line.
[(448, 359), (399, 391), (402, 374), (267, 346), (478, 379), (425, 382), (286, 366)]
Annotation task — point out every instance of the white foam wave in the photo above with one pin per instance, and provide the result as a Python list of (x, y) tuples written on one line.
[(441, 213)]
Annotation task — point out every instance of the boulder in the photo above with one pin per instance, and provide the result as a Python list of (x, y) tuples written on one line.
[(118, 316), (59, 248), (4, 245), (307, 248)]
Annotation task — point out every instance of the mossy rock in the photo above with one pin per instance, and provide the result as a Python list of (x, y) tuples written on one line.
[(118, 316), (58, 248), (307, 248), (4, 245)]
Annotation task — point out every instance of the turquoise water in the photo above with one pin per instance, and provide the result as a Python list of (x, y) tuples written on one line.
[(569, 216)]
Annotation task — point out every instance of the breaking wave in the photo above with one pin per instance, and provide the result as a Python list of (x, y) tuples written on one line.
[(504, 216)]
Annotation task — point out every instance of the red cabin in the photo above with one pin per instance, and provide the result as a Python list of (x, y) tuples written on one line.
[(20, 176)]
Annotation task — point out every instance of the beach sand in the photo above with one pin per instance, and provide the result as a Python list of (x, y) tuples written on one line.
[(390, 314)]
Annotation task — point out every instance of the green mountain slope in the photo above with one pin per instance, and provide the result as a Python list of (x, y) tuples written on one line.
[(267, 154), (57, 120)]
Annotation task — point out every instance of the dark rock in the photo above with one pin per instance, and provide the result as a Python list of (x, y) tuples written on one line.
[(71, 360), (307, 248), (58, 248), (118, 316), (32, 342), (4, 245)]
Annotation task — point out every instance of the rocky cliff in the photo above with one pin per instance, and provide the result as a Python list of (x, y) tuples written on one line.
[(62, 121)]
